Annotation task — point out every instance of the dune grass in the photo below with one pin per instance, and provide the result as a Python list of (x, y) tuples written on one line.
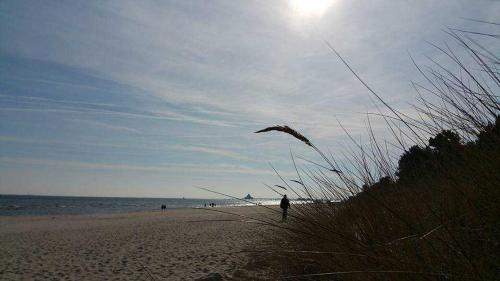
[(431, 214)]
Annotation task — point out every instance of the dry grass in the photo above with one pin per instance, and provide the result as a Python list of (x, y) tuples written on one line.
[(432, 215)]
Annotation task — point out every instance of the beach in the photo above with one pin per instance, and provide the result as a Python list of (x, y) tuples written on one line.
[(177, 244)]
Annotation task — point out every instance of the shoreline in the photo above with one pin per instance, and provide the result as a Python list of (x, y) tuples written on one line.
[(62, 205), (126, 212), (181, 243)]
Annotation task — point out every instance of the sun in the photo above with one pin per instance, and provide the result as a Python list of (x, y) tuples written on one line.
[(310, 8)]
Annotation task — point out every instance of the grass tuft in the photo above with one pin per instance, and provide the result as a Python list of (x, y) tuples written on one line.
[(430, 213)]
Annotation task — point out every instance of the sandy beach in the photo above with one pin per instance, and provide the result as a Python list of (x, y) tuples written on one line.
[(179, 244)]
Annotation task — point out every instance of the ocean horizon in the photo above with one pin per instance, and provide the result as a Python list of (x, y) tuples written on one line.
[(40, 205)]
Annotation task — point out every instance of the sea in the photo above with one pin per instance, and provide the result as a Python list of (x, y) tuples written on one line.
[(34, 205)]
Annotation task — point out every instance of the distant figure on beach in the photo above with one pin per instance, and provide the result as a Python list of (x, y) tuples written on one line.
[(285, 204), (163, 207)]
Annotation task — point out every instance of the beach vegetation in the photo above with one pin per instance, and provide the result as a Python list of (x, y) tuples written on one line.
[(421, 204)]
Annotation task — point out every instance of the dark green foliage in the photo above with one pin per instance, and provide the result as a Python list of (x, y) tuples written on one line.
[(445, 142), (488, 138), (415, 162)]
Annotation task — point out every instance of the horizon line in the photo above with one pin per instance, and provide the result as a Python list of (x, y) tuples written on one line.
[(136, 197)]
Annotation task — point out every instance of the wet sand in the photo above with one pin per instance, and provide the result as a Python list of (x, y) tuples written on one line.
[(181, 244)]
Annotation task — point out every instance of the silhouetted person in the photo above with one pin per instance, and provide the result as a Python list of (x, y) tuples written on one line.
[(285, 204)]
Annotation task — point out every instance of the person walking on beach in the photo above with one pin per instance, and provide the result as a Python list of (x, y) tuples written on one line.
[(285, 204)]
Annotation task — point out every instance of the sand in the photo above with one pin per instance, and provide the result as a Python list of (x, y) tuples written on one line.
[(181, 244)]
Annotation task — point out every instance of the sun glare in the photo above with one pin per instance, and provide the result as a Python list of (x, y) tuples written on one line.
[(310, 7)]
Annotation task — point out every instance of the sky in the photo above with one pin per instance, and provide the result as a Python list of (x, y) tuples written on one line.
[(157, 98)]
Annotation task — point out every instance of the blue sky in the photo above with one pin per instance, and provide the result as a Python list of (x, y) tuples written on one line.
[(154, 98)]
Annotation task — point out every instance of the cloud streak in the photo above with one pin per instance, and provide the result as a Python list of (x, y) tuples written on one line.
[(165, 168)]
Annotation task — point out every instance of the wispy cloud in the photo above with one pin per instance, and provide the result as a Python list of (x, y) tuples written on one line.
[(225, 153), (32, 104), (165, 168)]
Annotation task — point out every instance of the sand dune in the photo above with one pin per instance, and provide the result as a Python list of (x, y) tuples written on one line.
[(182, 244)]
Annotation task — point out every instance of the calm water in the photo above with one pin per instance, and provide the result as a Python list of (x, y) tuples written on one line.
[(27, 205)]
